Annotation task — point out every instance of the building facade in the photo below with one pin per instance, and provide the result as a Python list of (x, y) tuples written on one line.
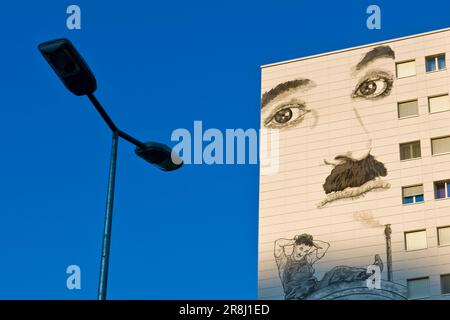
[(361, 192)]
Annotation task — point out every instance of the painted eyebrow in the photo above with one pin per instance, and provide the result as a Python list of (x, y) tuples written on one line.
[(281, 88), (376, 53)]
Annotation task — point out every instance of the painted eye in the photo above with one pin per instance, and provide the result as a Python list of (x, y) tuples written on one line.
[(373, 86), (283, 116), (286, 116)]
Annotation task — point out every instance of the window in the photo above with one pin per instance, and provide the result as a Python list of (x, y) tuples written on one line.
[(418, 288), (445, 283), (412, 194), (442, 189), (408, 109), (410, 150), (440, 145), (435, 63), (444, 236), (406, 69), (415, 240), (438, 103)]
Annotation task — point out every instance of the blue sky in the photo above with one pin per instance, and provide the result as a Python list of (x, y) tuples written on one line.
[(190, 234)]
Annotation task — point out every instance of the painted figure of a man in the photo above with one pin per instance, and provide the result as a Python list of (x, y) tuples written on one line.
[(295, 259)]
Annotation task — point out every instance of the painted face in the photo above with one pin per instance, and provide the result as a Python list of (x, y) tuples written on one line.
[(300, 251), (284, 105), (301, 104)]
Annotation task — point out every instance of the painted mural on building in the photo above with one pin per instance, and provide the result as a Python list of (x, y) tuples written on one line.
[(349, 179), (296, 269)]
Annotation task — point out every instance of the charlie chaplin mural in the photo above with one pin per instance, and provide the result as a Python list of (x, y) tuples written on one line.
[(350, 176), (296, 269)]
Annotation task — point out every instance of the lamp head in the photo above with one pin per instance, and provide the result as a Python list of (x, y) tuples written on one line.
[(69, 66), (160, 155)]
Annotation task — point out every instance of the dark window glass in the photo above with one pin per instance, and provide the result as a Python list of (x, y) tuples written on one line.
[(405, 152), (431, 64), (441, 62), (416, 150), (440, 190), (445, 283), (407, 200)]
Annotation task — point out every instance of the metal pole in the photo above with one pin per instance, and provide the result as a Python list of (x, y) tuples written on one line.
[(111, 123), (103, 282), (387, 233)]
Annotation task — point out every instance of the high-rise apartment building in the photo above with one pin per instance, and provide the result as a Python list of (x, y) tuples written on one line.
[(359, 207)]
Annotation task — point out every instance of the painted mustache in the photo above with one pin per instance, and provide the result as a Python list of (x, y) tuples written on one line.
[(351, 173)]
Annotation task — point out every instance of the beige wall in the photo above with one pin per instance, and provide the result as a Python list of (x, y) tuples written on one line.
[(288, 199)]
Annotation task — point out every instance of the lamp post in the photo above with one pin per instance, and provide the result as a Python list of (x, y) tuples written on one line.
[(79, 79)]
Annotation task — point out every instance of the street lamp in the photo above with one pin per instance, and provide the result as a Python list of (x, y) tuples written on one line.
[(79, 79)]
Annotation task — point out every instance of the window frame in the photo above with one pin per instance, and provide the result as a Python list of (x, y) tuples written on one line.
[(428, 285), (438, 238), (410, 143), (405, 61), (446, 185), (440, 282), (436, 138), (436, 60), (407, 101), (414, 231), (414, 197), (437, 96)]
